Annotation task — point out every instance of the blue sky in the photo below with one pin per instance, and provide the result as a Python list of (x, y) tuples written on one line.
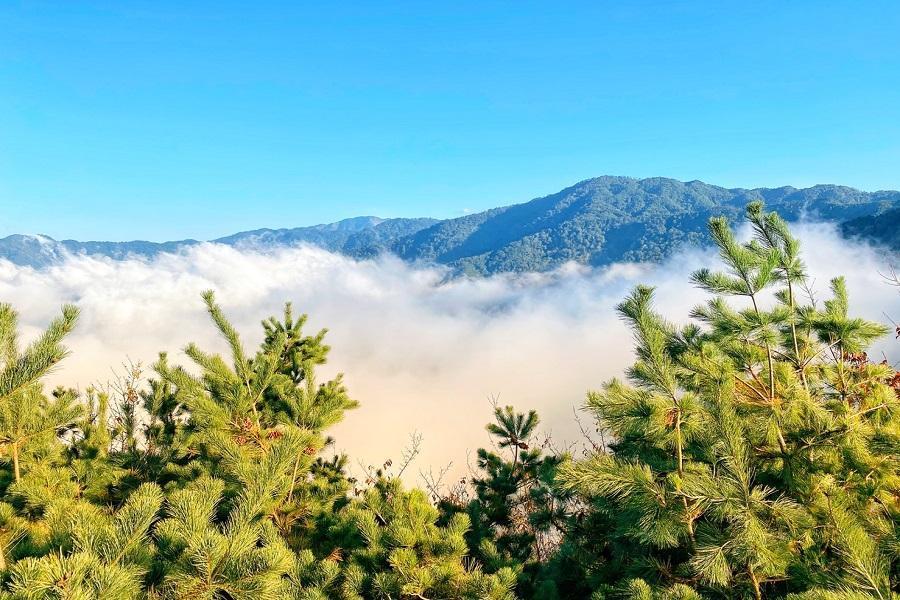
[(164, 120)]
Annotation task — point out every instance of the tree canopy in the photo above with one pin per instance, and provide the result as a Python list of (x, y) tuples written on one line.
[(752, 451)]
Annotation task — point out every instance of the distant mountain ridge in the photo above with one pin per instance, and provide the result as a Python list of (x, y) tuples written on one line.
[(594, 222), (361, 237)]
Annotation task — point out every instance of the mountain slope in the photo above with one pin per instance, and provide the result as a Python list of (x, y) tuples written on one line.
[(594, 222), (359, 236), (609, 219), (883, 229)]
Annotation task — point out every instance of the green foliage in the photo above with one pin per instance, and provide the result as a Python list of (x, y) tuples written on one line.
[(753, 452), (101, 555), (27, 417), (218, 491), (514, 507), (393, 547)]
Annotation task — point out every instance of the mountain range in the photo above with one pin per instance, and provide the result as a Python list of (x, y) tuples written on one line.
[(594, 222)]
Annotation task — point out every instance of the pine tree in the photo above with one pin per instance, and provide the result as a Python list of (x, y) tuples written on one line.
[(26, 415), (100, 555), (392, 546), (231, 416), (516, 511), (755, 450)]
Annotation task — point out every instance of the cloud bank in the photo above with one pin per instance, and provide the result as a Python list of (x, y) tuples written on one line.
[(421, 353)]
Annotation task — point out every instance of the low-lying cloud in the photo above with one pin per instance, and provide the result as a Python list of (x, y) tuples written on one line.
[(420, 352)]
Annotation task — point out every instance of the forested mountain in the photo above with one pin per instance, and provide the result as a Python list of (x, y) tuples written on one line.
[(359, 236), (881, 228), (609, 219), (594, 222)]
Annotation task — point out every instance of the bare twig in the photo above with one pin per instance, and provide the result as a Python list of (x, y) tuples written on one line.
[(410, 452)]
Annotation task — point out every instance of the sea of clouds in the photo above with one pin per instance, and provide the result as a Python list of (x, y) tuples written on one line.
[(422, 352)]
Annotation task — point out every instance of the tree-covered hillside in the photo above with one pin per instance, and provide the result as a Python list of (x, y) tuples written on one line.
[(360, 237), (752, 453), (883, 229), (610, 219), (595, 222)]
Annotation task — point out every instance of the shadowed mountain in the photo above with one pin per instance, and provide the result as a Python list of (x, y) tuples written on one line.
[(594, 222), (882, 229)]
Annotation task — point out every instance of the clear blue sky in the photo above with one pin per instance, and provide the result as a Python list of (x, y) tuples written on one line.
[(171, 119)]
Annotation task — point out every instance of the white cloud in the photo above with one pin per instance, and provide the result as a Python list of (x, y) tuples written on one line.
[(421, 353)]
